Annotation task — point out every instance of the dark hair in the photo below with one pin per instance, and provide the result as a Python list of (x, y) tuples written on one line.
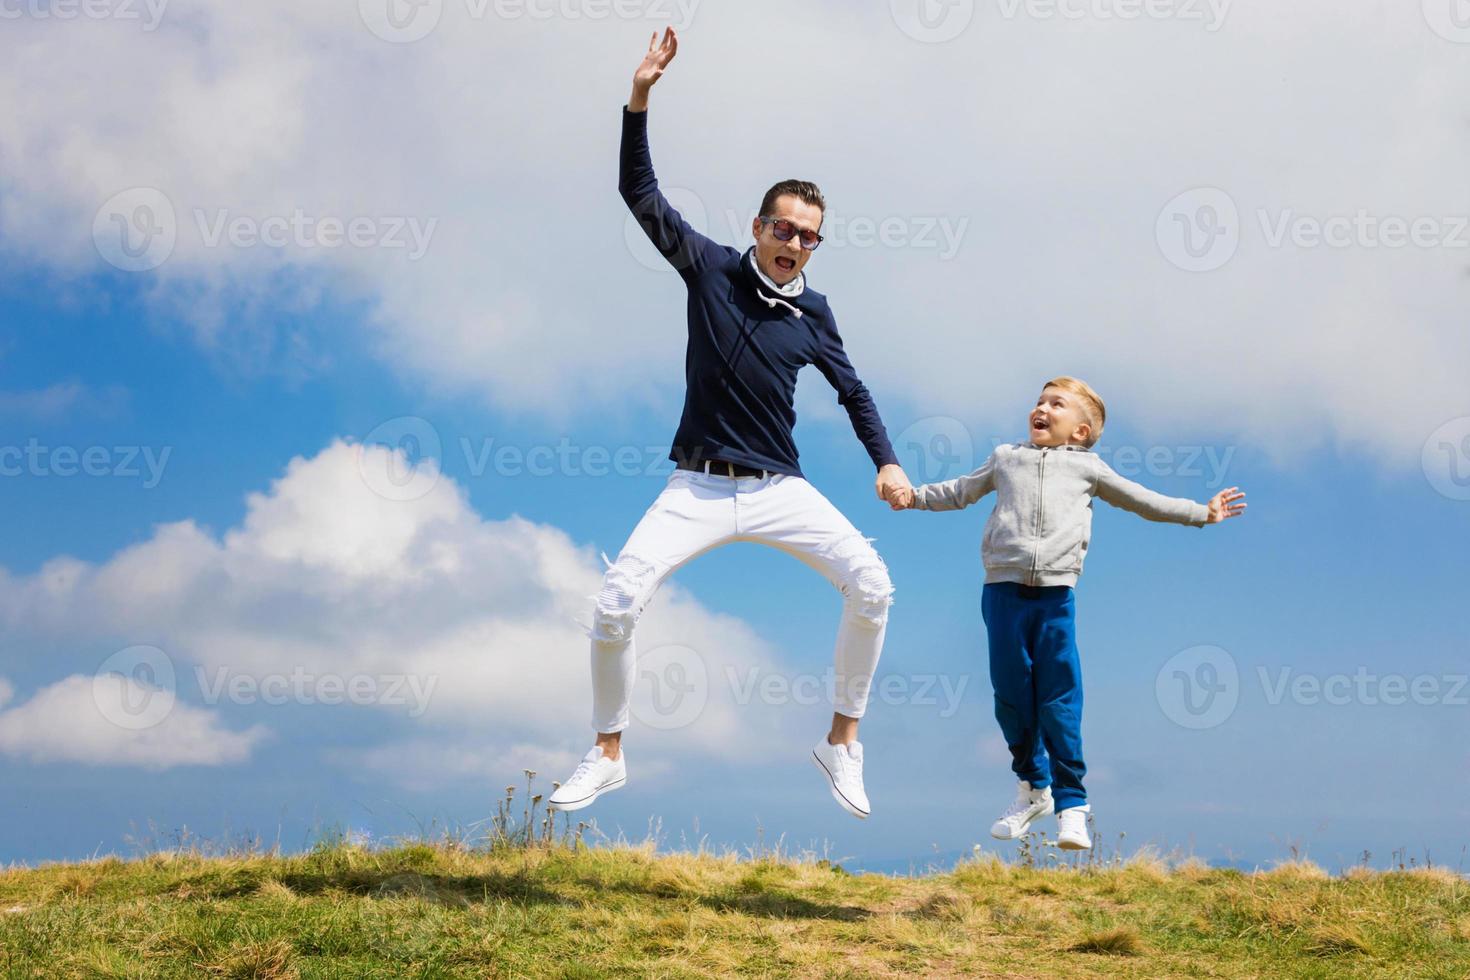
[(804, 190)]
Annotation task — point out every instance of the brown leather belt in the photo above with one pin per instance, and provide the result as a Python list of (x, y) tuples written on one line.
[(720, 467)]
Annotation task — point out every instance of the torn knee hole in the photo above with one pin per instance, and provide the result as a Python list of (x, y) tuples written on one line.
[(620, 601)]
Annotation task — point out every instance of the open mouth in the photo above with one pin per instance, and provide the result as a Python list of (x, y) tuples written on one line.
[(785, 264), (1040, 424)]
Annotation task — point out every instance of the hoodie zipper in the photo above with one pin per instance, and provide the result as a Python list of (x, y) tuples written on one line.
[(1040, 496)]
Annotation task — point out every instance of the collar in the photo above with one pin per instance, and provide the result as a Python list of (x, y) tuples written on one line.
[(762, 282)]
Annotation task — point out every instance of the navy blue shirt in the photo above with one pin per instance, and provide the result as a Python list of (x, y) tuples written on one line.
[(743, 355)]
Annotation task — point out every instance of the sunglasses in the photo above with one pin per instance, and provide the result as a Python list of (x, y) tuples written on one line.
[(785, 231)]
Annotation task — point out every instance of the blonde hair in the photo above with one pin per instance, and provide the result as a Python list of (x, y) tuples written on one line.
[(1092, 404)]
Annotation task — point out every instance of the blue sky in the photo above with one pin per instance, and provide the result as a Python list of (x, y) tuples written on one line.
[(1327, 382)]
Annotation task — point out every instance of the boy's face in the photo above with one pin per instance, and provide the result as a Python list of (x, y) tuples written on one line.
[(1058, 419)]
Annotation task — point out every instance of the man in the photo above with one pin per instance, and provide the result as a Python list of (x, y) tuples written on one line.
[(753, 324)]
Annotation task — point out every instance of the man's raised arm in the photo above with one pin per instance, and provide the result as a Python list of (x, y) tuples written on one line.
[(686, 249)]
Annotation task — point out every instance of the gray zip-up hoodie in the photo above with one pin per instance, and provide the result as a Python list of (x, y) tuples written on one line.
[(1039, 530)]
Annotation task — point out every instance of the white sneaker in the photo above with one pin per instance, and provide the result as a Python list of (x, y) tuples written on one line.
[(1030, 805), (1072, 828), (843, 767), (594, 776)]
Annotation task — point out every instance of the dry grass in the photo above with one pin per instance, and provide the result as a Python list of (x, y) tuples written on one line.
[(450, 911)]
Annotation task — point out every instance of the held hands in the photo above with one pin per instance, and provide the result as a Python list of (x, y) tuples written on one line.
[(652, 68), (893, 486), (1223, 504)]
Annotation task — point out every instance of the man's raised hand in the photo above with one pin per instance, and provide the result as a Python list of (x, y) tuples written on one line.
[(1225, 504), (660, 53)]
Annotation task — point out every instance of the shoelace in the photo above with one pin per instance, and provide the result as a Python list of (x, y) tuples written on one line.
[(583, 770), (850, 769), (1023, 802)]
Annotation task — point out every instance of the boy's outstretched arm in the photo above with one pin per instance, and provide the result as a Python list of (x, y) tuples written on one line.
[(955, 494), (1153, 506)]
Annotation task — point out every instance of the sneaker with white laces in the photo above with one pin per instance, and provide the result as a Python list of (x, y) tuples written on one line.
[(843, 767), (1072, 828), (594, 775), (1029, 806)]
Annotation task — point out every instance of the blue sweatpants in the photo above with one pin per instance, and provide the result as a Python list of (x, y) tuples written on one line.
[(1038, 684)]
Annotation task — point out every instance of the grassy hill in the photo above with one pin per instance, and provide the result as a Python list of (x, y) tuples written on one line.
[(537, 909)]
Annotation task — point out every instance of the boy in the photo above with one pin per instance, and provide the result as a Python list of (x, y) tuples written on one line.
[(1033, 548)]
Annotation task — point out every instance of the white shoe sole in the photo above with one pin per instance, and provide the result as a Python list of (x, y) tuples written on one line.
[(1025, 827), (842, 801), (1070, 844), (588, 800)]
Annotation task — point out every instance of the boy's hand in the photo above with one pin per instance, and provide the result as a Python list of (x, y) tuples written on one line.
[(652, 68), (902, 499), (1223, 504)]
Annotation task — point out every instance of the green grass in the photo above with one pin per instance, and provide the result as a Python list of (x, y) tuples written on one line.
[(445, 910)]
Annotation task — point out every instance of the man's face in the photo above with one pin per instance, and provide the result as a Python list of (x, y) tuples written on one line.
[(1058, 419), (783, 261)]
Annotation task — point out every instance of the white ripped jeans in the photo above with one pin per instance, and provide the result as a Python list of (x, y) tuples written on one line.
[(697, 512)]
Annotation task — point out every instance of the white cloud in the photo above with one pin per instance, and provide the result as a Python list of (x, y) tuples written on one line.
[(456, 626), (62, 399), (1058, 139), (77, 720)]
